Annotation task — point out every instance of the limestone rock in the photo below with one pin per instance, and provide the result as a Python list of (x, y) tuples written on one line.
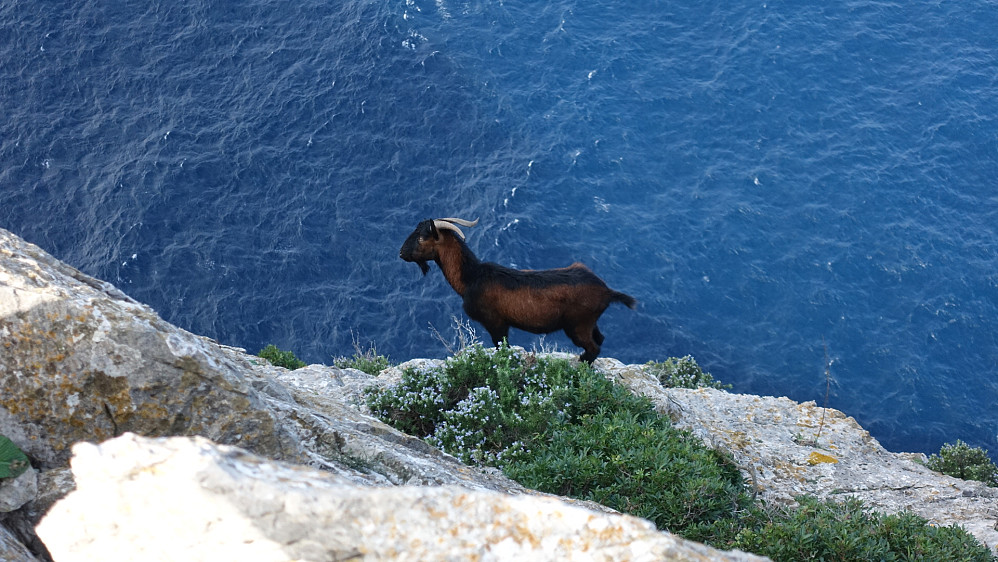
[(81, 361), (789, 449), (52, 486), (15, 492), (189, 499), (11, 549)]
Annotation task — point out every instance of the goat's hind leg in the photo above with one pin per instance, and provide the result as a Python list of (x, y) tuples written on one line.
[(598, 336), (584, 337)]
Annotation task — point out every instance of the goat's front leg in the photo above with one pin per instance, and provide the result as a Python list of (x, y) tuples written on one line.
[(498, 334)]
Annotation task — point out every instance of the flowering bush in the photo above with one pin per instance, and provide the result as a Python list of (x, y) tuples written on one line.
[(564, 429), (481, 403)]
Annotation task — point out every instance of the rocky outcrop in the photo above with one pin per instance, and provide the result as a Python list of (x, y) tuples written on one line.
[(290, 461), (787, 449), (80, 362)]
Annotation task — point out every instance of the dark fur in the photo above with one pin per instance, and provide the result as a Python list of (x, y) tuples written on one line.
[(570, 298)]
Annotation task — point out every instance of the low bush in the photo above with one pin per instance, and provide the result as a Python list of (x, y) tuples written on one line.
[(565, 429), (635, 463), (368, 360), (683, 372), (280, 358), (963, 461), (829, 530)]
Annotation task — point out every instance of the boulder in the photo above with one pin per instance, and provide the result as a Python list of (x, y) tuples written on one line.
[(15, 492), (81, 361)]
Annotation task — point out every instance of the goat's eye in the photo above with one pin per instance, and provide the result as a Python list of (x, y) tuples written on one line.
[(420, 239)]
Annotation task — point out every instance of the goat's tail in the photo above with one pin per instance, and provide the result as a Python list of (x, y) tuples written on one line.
[(627, 300)]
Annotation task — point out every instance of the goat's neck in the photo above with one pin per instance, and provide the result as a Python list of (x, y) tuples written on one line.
[(457, 262)]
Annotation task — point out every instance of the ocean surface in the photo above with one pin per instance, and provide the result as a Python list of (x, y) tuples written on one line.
[(788, 188)]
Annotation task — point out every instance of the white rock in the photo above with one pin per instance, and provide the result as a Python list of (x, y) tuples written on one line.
[(189, 499)]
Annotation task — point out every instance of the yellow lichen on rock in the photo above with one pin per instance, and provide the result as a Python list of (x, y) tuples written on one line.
[(817, 458)]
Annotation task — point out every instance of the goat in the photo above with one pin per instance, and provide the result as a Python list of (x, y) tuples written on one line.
[(569, 298)]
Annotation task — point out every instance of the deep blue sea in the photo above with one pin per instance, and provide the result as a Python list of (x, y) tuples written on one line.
[(769, 179)]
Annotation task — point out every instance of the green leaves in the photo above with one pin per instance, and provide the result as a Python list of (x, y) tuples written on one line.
[(963, 461), (13, 462), (635, 463), (683, 372), (280, 358), (565, 429), (828, 530)]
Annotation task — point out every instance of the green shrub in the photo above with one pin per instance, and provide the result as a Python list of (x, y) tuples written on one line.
[(635, 463), (845, 531), (564, 429), (963, 461), (482, 402), (683, 372), (13, 461), (280, 358), (367, 360)]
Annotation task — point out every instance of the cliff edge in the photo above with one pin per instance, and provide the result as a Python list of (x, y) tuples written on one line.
[(149, 442)]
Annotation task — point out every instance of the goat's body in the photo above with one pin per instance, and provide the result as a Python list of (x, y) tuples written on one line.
[(536, 301), (570, 299)]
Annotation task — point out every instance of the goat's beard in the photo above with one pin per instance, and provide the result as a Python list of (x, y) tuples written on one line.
[(423, 266)]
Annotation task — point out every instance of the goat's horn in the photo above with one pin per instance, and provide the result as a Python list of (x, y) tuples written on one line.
[(442, 224), (461, 222)]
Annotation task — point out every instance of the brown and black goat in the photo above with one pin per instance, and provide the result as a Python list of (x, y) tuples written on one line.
[(540, 301)]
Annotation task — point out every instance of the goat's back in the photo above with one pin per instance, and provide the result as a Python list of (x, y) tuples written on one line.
[(575, 275)]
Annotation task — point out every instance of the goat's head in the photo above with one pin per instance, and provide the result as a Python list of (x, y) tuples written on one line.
[(421, 246)]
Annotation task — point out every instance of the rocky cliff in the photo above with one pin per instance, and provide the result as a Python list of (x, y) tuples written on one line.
[(148, 442)]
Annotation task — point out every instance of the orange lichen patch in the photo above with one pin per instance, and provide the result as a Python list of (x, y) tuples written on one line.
[(520, 532), (68, 403), (736, 439), (789, 470), (610, 534), (817, 458), (46, 382), (113, 390)]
